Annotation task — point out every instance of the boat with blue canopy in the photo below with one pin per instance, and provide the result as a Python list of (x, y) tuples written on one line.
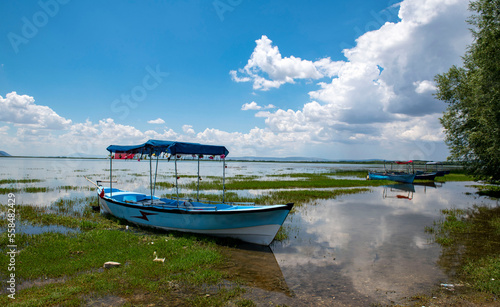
[(252, 223), (405, 176)]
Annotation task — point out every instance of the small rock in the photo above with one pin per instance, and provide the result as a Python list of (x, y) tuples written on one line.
[(110, 264)]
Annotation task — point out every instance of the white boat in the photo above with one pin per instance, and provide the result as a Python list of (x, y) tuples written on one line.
[(250, 223)]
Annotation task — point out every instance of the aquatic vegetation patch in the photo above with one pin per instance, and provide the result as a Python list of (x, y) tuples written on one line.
[(488, 190), (74, 188), (309, 181), (138, 174), (455, 177), (164, 184), (360, 173), (48, 216), (298, 197), (35, 189), (9, 190), (26, 180)]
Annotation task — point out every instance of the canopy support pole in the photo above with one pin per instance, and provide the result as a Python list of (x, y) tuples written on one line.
[(176, 185), (151, 177), (198, 189), (110, 175), (223, 179), (156, 173)]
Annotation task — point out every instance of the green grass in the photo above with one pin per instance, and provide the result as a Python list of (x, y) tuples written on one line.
[(189, 264), (471, 245), (72, 262), (484, 273)]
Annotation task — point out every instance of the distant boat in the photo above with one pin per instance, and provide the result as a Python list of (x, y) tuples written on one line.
[(438, 168), (394, 175), (420, 175), (399, 177), (247, 222)]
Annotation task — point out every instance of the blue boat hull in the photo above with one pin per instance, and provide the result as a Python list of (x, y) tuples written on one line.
[(254, 224), (407, 178)]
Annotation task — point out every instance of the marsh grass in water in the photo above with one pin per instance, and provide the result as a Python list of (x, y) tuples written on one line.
[(11, 181), (488, 190), (298, 197), (306, 181), (454, 177), (471, 245), (16, 186)]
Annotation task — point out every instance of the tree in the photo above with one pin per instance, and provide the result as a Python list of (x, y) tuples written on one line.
[(472, 118)]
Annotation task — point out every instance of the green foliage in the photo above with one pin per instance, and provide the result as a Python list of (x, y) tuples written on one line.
[(472, 119)]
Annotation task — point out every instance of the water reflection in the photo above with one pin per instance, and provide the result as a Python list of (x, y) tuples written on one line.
[(395, 191), (368, 246), (256, 266)]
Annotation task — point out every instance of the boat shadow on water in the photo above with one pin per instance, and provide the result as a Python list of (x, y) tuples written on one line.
[(257, 266)]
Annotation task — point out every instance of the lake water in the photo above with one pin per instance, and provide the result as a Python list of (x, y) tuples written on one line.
[(355, 250)]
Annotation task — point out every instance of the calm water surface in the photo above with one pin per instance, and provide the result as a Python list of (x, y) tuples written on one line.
[(354, 250)]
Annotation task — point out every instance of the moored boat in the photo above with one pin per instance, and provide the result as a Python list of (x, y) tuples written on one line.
[(248, 222), (394, 176), (406, 176), (420, 175), (437, 168)]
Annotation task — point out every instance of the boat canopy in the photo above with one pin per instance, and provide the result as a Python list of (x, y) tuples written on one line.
[(172, 147)]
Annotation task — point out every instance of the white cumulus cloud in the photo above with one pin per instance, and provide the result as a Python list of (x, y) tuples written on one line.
[(188, 129), (254, 106), (267, 68), (157, 121), (21, 110), (382, 92)]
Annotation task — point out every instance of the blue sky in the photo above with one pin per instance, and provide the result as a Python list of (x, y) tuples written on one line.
[(329, 79)]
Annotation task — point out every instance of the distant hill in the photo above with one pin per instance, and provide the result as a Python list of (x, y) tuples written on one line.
[(4, 154), (83, 155), (304, 159)]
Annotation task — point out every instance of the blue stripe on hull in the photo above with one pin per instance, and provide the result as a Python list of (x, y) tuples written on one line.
[(407, 178)]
